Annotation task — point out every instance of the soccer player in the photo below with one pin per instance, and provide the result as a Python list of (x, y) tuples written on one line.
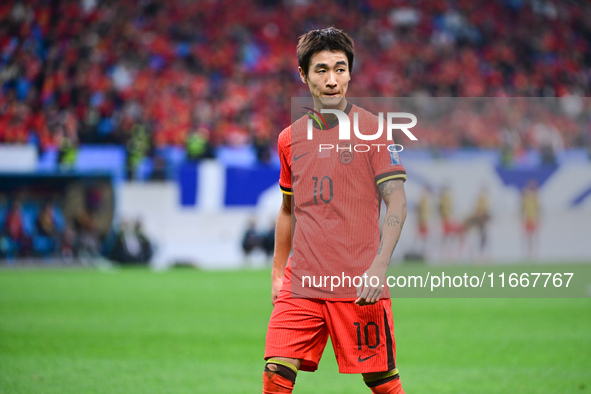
[(479, 221), (330, 215), (530, 214), (423, 222), (450, 229)]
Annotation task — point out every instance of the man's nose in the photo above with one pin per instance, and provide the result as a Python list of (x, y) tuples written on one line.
[(331, 82)]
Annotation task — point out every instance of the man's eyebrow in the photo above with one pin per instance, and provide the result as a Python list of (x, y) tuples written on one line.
[(324, 65), (320, 65)]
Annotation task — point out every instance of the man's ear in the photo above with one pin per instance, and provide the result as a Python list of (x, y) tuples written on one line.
[(303, 76)]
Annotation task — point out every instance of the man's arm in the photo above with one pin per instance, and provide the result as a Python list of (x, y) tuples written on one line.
[(282, 246), (393, 194)]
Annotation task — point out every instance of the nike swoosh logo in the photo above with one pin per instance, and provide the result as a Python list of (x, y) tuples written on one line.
[(365, 359), (296, 158)]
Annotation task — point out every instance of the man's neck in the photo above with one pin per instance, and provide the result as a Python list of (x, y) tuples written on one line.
[(330, 117)]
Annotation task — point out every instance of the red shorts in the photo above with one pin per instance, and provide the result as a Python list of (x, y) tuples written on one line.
[(362, 336), (450, 228), (423, 230), (531, 226)]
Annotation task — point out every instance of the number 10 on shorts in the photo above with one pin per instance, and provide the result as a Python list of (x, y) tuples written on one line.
[(369, 329)]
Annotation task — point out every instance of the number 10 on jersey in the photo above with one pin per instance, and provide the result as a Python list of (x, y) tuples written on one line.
[(320, 193)]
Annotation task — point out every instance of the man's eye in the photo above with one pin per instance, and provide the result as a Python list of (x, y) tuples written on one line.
[(321, 71), (341, 70)]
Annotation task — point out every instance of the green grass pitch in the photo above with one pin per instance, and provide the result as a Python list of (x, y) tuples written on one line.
[(189, 331)]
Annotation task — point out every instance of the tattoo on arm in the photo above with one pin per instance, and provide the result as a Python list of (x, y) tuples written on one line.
[(393, 220), (389, 187)]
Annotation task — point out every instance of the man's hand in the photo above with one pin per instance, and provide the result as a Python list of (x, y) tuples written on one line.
[(368, 294), (276, 284)]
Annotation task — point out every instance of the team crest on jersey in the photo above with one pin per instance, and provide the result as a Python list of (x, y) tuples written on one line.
[(345, 152), (394, 158)]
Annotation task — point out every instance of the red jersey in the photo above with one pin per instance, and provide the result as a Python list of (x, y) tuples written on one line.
[(336, 201)]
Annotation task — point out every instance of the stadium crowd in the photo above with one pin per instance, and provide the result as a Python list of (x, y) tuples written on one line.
[(30, 229), (203, 74)]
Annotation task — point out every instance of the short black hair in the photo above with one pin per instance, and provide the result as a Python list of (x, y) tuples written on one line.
[(329, 39)]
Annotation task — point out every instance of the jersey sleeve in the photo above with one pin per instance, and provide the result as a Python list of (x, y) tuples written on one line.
[(384, 159), (386, 163), (284, 150)]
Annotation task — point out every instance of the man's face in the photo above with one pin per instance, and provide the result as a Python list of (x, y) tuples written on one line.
[(328, 77)]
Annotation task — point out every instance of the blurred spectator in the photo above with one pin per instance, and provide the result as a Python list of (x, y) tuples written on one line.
[(250, 240), (198, 145), (87, 246), (14, 229), (269, 241), (46, 227), (131, 245), (138, 147), (145, 243), (68, 244), (253, 239), (45, 222), (547, 139)]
